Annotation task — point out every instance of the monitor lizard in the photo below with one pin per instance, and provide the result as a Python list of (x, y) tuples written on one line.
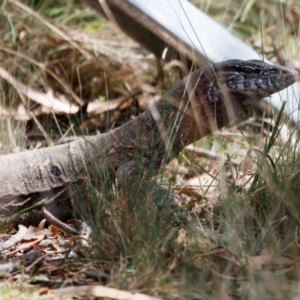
[(204, 101)]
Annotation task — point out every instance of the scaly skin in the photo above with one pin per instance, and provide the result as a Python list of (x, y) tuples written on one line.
[(201, 103)]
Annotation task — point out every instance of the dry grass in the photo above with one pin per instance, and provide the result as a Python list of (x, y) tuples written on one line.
[(236, 235)]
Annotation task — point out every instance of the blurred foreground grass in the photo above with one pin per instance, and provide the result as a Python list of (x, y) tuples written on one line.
[(240, 238)]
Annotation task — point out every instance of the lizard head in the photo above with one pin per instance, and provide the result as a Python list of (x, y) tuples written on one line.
[(252, 79)]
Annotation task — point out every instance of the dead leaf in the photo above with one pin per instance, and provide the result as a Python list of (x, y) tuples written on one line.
[(261, 262), (244, 176), (246, 164), (33, 233)]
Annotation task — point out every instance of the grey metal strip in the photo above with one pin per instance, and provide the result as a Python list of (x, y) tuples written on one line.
[(157, 24)]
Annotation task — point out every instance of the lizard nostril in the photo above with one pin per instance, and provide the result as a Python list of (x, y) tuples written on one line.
[(287, 71)]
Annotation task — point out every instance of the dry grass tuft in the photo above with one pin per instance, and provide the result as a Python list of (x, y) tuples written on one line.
[(235, 233)]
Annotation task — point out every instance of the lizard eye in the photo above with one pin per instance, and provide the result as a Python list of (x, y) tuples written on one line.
[(248, 70)]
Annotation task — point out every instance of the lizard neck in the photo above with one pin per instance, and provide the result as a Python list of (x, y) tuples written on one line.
[(181, 117)]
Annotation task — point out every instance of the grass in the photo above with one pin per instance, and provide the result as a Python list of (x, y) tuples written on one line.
[(231, 239)]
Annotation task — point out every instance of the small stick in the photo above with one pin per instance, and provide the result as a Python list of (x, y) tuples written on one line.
[(59, 224)]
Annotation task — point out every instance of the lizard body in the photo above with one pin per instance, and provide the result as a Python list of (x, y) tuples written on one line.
[(201, 103)]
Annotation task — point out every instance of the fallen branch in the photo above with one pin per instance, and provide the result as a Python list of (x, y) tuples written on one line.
[(14, 239), (100, 291)]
